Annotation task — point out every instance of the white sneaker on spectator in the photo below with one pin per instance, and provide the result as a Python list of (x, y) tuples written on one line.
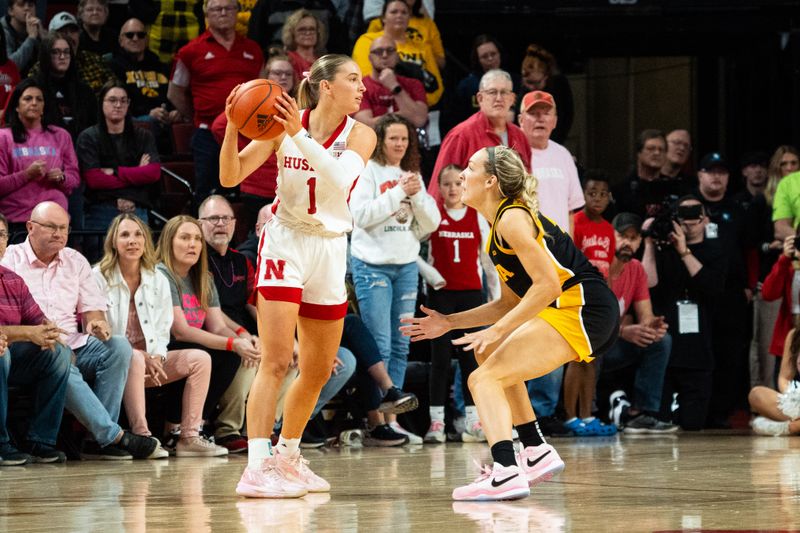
[(413, 438), (435, 432), (198, 447), (765, 426), (474, 433)]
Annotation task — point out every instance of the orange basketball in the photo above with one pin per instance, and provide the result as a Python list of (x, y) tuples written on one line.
[(253, 109)]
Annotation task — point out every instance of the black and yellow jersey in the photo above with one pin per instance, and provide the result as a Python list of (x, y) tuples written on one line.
[(571, 265)]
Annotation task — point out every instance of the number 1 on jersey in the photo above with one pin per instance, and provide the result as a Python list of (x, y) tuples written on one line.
[(312, 195), (456, 254)]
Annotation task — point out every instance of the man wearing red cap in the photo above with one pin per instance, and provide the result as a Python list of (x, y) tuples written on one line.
[(488, 127), (560, 194)]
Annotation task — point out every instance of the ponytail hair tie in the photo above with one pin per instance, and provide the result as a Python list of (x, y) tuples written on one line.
[(307, 74)]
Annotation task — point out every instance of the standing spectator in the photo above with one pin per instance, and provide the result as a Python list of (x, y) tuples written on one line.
[(730, 312), (686, 277), (144, 77), (559, 191), (92, 70), (456, 251), (784, 213), (389, 92), (644, 344), (119, 162), (234, 279), (258, 189), (33, 357), (540, 73), (95, 37), (269, 18), (755, 173), (421, 29), (9, 76), (22, 30), (37, 159), (57, 73), (176, 23), (646, 192), (487, 127), (395, 18), (304, 38), (198, 322), (594, 237), (679, 148), (391, 213), (140, 308), (60, 281), (206, 70)]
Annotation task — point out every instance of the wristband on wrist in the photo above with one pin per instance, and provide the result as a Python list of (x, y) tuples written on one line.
[(240, 330), (229, 344), (686, 252)]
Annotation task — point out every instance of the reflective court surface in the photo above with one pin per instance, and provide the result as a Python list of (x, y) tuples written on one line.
[(686, 482)]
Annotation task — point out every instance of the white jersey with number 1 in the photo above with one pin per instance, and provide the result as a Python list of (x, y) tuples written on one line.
[(305, 197)]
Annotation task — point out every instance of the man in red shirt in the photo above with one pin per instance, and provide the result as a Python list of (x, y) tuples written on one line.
[(644, 344), (387, 91), (205, 72), (488, 127)]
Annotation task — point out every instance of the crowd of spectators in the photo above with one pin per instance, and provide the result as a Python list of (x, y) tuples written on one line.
[(705, 268)]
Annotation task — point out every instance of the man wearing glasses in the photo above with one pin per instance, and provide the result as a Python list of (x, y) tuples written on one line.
[(205, 72), (61, 282), (490, 126), (144, 76), (389, 92)]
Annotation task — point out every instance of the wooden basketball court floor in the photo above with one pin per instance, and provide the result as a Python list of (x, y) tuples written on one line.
[(687, 482)]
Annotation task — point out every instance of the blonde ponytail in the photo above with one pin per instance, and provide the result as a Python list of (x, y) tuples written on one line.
[(512, 178)]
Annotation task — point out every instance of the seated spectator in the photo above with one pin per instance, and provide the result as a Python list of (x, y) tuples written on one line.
[(778, 410), (72, 99), (389, 92), (391, 213), (32, 358), (37, 160), (395, 20), (173, 25), (780, 286), (92, 70), (205, 72), (119, 162), (421, 29), (61, 282), (198, 322), (145, 78), (540, 73), (140, 308), (22, 30), (269, 18), (644, 344), (9, 76), (258, 189), (95, 37), (686, 277), (304, 37), (679, 148), (234, 279)]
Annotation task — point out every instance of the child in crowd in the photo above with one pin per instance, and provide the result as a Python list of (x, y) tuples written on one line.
[(455, 250), (594, 236)]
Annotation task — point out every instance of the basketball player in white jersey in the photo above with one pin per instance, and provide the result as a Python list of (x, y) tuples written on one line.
[(301, 262)]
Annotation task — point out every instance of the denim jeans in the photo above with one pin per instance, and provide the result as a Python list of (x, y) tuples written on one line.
[(205, 152), (105, 364), (544, 392), (336, 381), (385, 294), (357, 338), (651, 367), (25, 364)]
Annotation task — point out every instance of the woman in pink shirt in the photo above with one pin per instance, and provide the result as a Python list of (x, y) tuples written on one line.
[(37, 159)]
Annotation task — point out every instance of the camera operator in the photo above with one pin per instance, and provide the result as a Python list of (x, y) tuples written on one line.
[(685, 279), (730, 324)]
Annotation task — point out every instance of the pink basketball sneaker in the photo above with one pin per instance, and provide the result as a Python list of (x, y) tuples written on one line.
[(540, 463), (268, 482), (495, 483), (296, 469)]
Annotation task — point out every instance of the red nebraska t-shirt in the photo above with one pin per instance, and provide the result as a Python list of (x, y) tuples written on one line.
[(595, 240)]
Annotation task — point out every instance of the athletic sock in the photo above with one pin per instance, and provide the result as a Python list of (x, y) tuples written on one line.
[(287, 446), (503, 453), (257, 451), (588, 420), (436, 412), (530, 434)]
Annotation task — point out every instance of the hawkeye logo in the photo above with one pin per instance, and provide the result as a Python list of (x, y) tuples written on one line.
[(262, 121)]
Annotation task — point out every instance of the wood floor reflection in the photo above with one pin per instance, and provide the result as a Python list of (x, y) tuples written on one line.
[(691, 482)]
